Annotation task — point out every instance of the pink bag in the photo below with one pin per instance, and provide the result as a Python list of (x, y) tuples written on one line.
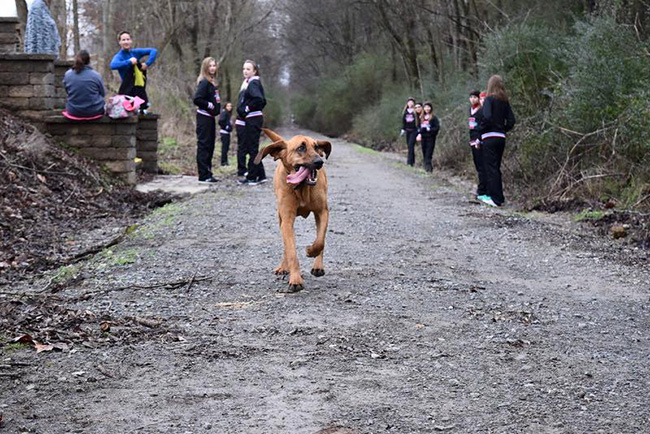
[(123, 106)]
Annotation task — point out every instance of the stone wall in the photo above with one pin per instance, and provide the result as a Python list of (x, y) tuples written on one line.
[(147, 142), (8, 35), (31, 85), (111, 142), (27, 84)]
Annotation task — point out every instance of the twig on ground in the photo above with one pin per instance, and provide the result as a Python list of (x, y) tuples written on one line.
[(167, 285), (189, 286)]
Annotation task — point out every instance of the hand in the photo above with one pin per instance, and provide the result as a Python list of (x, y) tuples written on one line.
[(143, 66), (419, 137), (401, 133), (133, 61)]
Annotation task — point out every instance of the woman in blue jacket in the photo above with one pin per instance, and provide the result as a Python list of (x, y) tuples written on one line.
[(85, 88)]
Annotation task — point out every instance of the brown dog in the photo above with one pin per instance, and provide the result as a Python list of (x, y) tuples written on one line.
[(300, 185)]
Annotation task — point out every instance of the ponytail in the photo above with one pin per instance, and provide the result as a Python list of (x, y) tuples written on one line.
[(80, 61)]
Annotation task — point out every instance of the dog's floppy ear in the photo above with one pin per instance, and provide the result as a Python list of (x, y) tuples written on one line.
[(274, 149), (272, 135), (325, 146)]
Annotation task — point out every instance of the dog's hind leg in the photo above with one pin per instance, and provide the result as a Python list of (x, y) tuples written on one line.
[(316, 250)]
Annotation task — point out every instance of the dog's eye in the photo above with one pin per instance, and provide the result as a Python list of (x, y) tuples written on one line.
[(302, 148)]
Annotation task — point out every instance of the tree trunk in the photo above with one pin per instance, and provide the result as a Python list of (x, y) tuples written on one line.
[(75, 28), (58, 11), (21, 8), (108, 35)]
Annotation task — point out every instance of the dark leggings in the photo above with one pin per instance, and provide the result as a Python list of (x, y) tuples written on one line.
[(252, 132), (477, 155), (428, 146), (410, 144), (225, 146), (492, 150), (206, 135), (241, 151)]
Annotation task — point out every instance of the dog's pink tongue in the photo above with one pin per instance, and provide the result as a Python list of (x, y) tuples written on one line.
[(299, 176)]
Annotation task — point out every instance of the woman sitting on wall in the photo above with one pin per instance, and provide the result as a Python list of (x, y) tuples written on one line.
[(85, 88)]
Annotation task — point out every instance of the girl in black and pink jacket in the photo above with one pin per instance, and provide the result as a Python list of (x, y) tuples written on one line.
[(497, 120), (410, 123), (427, 133), (208, 103)]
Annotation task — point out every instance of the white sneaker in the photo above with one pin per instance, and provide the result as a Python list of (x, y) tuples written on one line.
[(487, 200)]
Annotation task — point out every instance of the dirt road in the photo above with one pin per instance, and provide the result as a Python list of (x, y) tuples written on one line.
[(435, 315)]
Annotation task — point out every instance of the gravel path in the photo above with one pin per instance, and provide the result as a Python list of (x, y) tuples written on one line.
[(435, 315)]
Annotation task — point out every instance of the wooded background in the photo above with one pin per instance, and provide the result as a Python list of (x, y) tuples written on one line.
[(578, 74)]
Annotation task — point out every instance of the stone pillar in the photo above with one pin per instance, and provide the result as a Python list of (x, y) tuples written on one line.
[(27, 84), (60, 95), (147, 142), (110, 142), (8, 35)]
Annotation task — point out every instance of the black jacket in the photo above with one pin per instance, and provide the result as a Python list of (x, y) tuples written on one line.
[(251, 99), (497, 116), (475, 121), (206, 94), (224, 121), (431, 128), (409, 120)]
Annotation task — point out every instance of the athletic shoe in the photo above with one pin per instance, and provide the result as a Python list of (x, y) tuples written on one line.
[(209, 180), (488, 201), (252, 182), (262, 181), (242, 181)]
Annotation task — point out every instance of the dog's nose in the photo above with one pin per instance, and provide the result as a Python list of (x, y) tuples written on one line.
[(318, 162)]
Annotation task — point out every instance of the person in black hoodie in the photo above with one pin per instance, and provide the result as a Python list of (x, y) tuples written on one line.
[(475, 116), (225, 128), (497, 120), (427, 133), (250, 106), (410, 128), (207, 99)]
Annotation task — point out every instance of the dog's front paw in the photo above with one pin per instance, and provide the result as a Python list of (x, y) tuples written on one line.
[(318, 272), (292, 288)]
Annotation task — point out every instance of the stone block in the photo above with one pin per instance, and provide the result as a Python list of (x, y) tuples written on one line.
[(125, 127), (59, 103), (146, 123), (56, 129), (147, 145), (120, 166), (43, 78), (4, 91), (8, 38), (147, 135), (24, 91), (99, 129), (15, 103), (8, 26), (41, 103), (14, 78), (108, 154), (147, 155), (123, 141), (80, 141), (43, 90), (129, 177), (100, 141), (150, 166)]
